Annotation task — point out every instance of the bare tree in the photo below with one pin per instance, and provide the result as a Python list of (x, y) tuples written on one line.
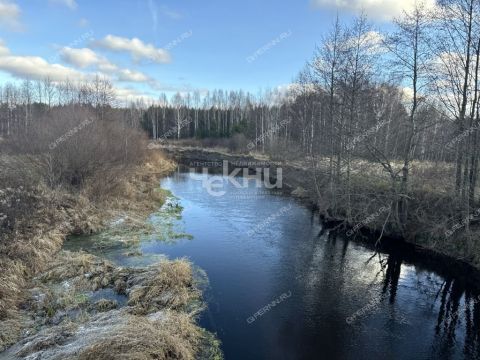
[(411, 58)]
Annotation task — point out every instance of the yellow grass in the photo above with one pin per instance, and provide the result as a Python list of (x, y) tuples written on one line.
[(60, 213)]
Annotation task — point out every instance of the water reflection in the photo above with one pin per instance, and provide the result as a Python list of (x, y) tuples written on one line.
[(421, 309), (456, 303)]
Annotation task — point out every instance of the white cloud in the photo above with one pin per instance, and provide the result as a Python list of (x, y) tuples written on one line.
[(132, 75), (37, 68), (136, 47), (71, 4), (378, 9), (106, 66), (371, 41), (296, 87), (84, 58), (3, 49), (128, 94), (407, 93), (9, 15), (81, 58)]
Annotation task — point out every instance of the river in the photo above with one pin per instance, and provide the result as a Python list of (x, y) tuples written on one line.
[(281, 288)]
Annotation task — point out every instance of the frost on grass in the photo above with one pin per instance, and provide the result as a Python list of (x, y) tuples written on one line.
[(126, 232), (141, 313)]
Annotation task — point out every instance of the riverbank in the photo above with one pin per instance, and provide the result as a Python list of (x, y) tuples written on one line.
[(424, 234), (91, 307)]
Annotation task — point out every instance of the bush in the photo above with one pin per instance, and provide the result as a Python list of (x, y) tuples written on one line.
[(238, 143), (285, 151), (71, 145)]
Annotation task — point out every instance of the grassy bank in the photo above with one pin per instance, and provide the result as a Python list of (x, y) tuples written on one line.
[(84, 307), (37, 308)]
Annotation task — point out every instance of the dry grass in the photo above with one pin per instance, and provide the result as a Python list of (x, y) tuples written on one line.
[(158, 321), (118, 335), (139, 194), (11, 284), (167, 335), (10, 330), (74, 266), (50, 215), (167, 285)]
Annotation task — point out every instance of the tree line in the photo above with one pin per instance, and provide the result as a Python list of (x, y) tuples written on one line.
[(395, 99)]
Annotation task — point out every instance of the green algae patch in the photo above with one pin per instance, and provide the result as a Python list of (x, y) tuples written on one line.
[(124, 236)]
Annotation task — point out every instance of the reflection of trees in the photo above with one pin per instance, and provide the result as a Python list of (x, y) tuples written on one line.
[(452, 299), (472, 321), (448, 316), (392, 274), (333, 233), (450, 319), (452, 314)]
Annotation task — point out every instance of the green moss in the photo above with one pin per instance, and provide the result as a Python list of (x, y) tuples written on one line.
[(125, 236), (80, 299), (210, 348)]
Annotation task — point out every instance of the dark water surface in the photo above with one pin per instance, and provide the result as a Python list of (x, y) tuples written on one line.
[(277, 290)]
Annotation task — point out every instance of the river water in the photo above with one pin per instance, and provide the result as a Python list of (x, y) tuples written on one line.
[(281, 288)]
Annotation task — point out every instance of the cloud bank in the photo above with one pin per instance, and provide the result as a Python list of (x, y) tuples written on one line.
[(135, 47), (383, 10)]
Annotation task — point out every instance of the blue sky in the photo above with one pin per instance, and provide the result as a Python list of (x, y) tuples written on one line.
[(214, 40)]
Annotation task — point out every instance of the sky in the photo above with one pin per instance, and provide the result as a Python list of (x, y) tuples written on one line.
[(147, 47)]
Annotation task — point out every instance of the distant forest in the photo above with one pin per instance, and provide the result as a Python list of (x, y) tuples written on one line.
[(405, 102)]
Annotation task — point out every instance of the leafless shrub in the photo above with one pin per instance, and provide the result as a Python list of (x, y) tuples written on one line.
[(71, 146)]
